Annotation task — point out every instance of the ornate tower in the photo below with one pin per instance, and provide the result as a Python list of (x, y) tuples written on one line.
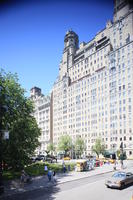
[(71, 44), (71, 41)]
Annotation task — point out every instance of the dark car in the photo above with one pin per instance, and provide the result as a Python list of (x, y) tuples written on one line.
[(50, 158), (119, 180), (33, 159), (39, 158)]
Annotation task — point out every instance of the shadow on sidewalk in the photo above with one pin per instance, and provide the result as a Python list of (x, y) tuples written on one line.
[(36, 188), (40, 193)]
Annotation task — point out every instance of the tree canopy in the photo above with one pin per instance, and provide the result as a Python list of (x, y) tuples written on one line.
[(18, 119), (98, 147), (51, 148), (65, 144), (79, 146)]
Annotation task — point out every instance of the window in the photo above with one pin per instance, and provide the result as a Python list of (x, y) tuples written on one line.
[(130, 130), (128, 38)]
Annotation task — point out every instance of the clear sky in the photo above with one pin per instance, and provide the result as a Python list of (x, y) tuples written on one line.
[(32, 35)]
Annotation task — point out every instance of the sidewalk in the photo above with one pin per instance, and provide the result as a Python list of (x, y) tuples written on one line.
[(13, 187)]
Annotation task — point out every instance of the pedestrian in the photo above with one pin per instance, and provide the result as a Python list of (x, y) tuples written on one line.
[(22, 177), (115, 162), (63, 161), (45, 169), (25, 178), (64, 167), (69, 168), (49, 174), (54, 173), (121, 164), (54, 177)]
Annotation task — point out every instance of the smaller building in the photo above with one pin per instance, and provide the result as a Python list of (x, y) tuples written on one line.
[(42, 116)]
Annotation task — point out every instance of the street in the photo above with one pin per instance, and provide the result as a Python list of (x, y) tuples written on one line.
[(92, 188)]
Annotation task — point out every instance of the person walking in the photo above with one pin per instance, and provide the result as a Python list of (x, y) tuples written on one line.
[(45, 169), (49, 174), (121, 164), (24, 178), (64, 167), (69, 168), (115, 163), (54, 177)]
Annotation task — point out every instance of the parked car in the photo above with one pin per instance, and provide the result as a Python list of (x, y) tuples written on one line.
[(33, 159), (109, 160), (67, 158), (112, 161), (50, 158), (81, 165), (119, 180), (105, 160), (39, 158)]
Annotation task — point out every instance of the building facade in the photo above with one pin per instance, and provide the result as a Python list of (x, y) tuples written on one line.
[(42, 114), (93, 94)]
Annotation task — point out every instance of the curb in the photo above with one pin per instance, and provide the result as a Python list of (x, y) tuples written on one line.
[(85, 177)]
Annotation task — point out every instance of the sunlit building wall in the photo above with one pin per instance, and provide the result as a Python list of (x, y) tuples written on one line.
[(93, 94), (42, 116)]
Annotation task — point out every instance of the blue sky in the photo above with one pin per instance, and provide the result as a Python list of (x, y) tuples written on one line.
[(32, 35)]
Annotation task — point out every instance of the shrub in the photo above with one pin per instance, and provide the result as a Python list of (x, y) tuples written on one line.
[(36, 169)]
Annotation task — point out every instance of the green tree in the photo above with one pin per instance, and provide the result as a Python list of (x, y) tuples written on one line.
[(23, 129), (79, 146), (65, 144), (51, 148), (98, 147)]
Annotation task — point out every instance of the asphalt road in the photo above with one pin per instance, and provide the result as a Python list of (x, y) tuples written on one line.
[(91, 188)]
